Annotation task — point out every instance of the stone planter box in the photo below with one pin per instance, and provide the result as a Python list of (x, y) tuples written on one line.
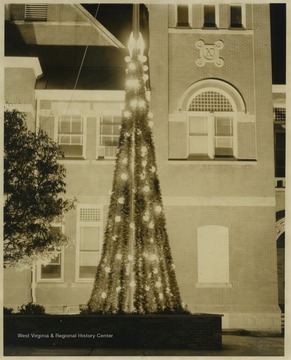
[(198, 331)]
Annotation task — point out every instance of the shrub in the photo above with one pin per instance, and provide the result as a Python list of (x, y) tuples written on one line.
[(32, 309), (7, 311)]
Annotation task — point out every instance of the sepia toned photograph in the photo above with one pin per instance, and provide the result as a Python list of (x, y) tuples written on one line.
[(144, 156)]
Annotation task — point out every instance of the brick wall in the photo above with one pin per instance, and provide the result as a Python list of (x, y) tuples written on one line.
[(19, 86), (17, 285)]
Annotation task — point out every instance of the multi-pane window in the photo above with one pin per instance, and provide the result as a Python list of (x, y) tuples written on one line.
[(236, 16), (182, 15), (109, 135), (35, 12), (280, 153), (89, 234), (52, 270), (211, 126), (280, 115), (209, 16), (71, 135), (280, 141)]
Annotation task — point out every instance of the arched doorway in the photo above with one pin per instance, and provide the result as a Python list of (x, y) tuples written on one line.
[(280, 238)]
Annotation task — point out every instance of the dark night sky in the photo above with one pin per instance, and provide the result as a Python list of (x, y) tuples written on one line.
[(278, 37), (117, 19)]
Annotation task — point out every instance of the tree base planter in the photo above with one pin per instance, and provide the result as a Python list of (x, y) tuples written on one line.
[(198, 331)]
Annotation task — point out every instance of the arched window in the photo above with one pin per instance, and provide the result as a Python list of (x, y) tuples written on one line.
[(212, 125)]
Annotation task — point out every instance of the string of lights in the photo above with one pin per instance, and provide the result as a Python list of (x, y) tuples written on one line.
[(136, 273)]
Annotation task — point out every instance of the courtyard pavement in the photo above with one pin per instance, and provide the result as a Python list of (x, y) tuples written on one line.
[(233, 345)]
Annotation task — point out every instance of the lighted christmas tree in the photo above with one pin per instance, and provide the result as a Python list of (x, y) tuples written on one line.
[(136, 272)]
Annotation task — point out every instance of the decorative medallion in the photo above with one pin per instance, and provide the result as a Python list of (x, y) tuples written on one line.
[(209, 53)]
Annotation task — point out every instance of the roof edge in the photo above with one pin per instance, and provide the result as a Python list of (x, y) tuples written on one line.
[(98, 26), (24, 62)]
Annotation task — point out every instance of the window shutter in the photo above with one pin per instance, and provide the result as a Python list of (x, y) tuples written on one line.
[(178, 136)]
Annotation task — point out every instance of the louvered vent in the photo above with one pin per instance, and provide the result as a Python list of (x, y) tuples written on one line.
[(90, 215), (36, 12)]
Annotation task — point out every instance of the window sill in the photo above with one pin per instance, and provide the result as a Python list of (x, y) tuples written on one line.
[(213, 285), (72, 158), (73, 161), (52, 282), (282, 189), (186, 26), (200, 31), (210, 27), (87, 162), (84, 281), (207, 161), (236, 28)]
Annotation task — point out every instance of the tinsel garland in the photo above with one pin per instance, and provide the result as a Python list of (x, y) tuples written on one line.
[(136, 271)]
